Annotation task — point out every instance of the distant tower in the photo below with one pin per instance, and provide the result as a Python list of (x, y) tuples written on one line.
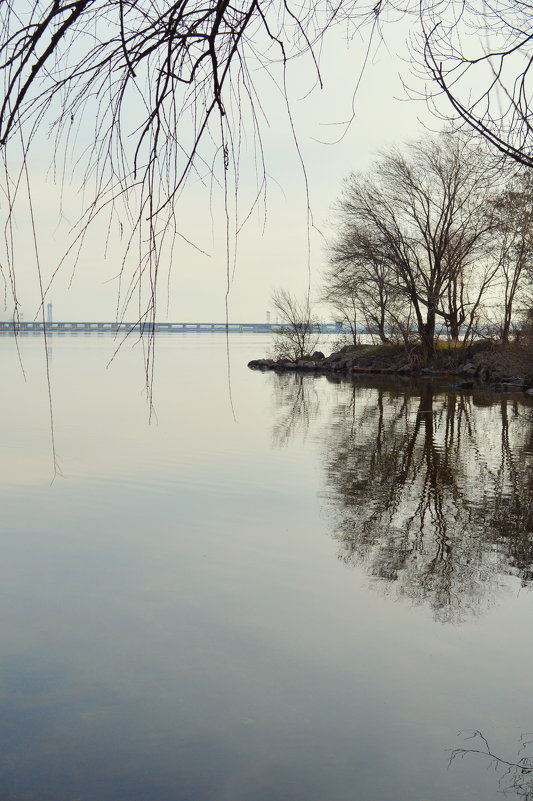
[(49, 313), (268, 318)]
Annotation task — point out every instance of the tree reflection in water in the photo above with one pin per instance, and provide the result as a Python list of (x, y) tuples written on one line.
[(430, 489), (514, 776), (297, 403)]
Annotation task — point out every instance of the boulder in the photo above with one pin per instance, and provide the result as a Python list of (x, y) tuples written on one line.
[(468, 369), (334, 357), (508, 386), (342, 364), (318, 356), (463, 385)]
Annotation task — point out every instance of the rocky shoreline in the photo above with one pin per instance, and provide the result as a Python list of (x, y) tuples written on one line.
[(502, 370)]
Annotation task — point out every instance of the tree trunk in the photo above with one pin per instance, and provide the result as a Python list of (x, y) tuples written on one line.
[(427, 336), (506, 328), (454, 329), (381, 327), (383, 336)]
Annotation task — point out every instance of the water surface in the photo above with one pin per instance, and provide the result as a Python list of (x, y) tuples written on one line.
[(302, 596)]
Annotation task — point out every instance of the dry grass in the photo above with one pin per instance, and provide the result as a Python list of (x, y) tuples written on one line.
[(507, 360)]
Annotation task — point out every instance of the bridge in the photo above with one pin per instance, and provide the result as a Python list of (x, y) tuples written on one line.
[(39, 327)]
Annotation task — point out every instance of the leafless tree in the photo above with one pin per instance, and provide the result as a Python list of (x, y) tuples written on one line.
[(422, 213), (144, 96), (360, 281), (344, 303), (513, 240), (479, 55), (298, 334)]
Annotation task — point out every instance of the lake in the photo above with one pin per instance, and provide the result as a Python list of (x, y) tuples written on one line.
[(280, 588)]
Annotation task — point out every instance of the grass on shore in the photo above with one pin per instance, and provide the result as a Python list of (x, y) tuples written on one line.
[(506, 359)]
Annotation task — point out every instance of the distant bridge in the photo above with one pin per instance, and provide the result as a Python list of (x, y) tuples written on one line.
[(13, 327)]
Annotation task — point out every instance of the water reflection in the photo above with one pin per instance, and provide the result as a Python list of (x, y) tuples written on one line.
[(297, 403), (515, 774), (429, 489)]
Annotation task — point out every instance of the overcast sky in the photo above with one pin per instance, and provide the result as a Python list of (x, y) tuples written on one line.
[(269, 256)]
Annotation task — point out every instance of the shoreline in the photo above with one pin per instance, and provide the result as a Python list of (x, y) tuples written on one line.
[(502, 369)]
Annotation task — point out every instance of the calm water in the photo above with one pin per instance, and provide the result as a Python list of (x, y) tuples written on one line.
[(305, 603)]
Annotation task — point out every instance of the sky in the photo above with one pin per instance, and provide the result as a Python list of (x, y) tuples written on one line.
[(276, 249)]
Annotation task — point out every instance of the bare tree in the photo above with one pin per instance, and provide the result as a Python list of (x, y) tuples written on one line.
[(360, 281), (298, 334), (423, 214), (513, 239), (479, 56), (345, 309), (142, 96)]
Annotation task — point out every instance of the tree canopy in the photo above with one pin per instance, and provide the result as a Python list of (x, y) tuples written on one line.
[(425, 234)]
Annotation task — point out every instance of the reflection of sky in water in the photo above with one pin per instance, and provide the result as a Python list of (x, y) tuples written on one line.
[(176, 623)]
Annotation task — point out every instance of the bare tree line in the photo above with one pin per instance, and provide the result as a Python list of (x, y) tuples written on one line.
[(434, 235)]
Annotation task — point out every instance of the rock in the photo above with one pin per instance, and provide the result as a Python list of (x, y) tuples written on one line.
[(343, 364), (508, 386), (334, 357), (463, 385), (468, 369), (318, 356)]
